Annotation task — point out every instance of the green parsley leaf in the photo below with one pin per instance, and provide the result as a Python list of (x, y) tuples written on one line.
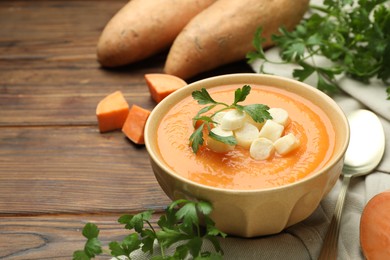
[(135, 221), (214, 241), (202, 111), (203, 97), (182, 252), (93, 247), (90, 231), (325, 86), (169, 219), (211, 229), (195, 246), (168, 237), (258, 112), (180, 229), (129, 244), (384, 71), (148, 238), (196, 139), (354, 35), (204, 208), (241, 94), (171, 208), (257, 42), (188, 213), (116, 249), (80, 255), (294, 51), (388, 93), (304, 73), (230, 140)]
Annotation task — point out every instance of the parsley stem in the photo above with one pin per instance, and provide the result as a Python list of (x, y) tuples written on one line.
[(162, 249), (223, 104), (158, 241), (198, 230), (319, 8), (220, 110), (150, 225)]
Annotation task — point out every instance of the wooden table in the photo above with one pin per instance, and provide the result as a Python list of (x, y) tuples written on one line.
[(57, 172)]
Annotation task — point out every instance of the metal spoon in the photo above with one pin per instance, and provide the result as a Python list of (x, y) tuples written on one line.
[(365, 151)]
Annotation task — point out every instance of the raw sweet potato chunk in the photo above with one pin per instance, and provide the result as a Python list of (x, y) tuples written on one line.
[(111, 112), (161, 85), (134, 126)]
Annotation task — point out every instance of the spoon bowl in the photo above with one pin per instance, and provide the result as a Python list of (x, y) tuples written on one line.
[(366, 135), (364, 152)]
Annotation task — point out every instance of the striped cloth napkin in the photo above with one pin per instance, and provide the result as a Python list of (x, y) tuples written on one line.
[(304, 240)]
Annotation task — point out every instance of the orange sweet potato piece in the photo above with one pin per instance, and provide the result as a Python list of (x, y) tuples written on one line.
[(134, 126), (375, 227), (111, 112), (161, 85)]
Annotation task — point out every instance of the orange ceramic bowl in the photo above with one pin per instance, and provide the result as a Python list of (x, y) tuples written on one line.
[(250, 213)]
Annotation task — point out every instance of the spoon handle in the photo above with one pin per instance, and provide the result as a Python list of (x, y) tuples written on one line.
[(329, 248)]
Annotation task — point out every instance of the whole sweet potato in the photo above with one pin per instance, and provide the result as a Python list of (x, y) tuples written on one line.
[(223, 33), (143, 28)]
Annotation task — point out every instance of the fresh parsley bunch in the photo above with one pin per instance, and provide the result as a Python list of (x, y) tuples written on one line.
[(258, 112), (179, 226), (353, 35)]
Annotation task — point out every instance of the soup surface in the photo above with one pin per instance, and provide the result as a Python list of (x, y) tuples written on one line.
[(236, 169)]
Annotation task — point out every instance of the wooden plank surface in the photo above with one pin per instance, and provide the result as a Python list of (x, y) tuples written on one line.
[(52, 157), (73, 169), (57, 171), (55, 236)]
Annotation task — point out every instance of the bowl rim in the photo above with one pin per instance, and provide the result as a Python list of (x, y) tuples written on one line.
[(236, 76)]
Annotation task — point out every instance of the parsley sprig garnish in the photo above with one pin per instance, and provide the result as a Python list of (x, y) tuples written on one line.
[(353, 35), (179, 228), (258, 112)]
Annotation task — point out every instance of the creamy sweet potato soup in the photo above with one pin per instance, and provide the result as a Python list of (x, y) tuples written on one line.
[(236, 169)]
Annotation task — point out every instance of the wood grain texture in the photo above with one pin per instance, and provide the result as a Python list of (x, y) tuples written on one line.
[(49, 74), (55, 237), (57, 171), (74, 169), (51, 82)]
